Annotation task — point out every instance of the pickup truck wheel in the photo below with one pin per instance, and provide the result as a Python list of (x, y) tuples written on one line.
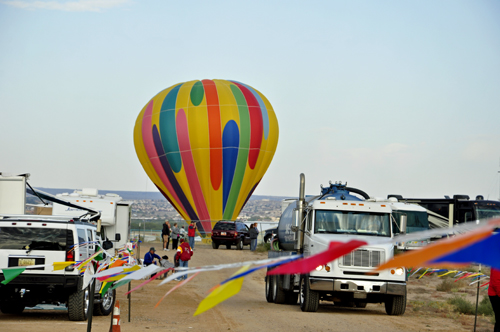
[(309, 299), (106, 306), (78, 304), (228, 246), (215, 245), (269, 288), (239, 245), (12, 308), (395, 305), (278, 292), (267, 239)]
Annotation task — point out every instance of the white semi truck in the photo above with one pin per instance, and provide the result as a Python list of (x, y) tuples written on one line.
[(340, 214)]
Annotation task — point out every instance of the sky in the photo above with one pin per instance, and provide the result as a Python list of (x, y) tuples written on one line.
[(394, 97)]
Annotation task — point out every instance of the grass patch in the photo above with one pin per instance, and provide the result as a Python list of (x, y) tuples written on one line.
[(263, 247)]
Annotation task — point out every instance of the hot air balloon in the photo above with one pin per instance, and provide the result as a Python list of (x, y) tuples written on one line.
[(206, 145)]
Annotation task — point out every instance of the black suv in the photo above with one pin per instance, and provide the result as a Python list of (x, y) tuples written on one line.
[(270, 233), (229, 233)]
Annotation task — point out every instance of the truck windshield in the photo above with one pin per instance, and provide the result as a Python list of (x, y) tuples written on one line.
[(30, 238), (416, 221), (351, 222), (487, 211)]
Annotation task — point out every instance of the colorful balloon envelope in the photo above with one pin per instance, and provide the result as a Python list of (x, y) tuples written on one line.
[(206, 145)]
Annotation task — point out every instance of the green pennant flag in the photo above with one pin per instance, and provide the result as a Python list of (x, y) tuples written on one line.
[(10, 274), (105, 287), (120, 283), (99, 257)]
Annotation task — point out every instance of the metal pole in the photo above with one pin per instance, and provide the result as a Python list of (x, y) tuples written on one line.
[(129, 300), (91, 306), (477, 297)]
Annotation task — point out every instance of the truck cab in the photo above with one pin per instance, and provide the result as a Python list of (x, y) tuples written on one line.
[(338, 214)]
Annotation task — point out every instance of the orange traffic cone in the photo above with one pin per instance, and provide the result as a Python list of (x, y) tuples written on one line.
[(116, 318)]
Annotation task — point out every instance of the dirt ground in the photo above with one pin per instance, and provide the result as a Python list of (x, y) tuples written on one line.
[(248, 311)]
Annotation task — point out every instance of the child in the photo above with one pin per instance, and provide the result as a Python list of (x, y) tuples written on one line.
[(165, 264)]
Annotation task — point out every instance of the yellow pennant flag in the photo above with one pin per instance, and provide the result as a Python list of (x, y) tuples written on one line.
[(222, 293), (62, 265)]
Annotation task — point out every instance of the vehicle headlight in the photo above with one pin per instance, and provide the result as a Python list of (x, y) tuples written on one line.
[(399, 271), (319, 268)]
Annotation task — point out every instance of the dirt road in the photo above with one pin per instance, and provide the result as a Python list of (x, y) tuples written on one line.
[(247, 311)]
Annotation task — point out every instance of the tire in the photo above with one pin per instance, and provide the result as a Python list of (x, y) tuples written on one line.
[(278, 292), (78, 304), (309, 299), (228, 246), (267, 239), (395, 305), (12, 308), (106, 306), (215, 245), (269, 288), (239, 245), (361, 304)]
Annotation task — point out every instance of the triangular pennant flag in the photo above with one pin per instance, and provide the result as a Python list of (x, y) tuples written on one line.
[(221, 293), (62, 265), (306, 265), (11, 273), (120, 283)]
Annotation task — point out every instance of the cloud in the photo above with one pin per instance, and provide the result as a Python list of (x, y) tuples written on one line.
[(69, 6)]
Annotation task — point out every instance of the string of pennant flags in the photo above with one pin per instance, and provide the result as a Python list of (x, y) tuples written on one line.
[(469, 243)]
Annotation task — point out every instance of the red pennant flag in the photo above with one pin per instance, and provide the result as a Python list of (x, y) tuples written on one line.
[(306, 265)]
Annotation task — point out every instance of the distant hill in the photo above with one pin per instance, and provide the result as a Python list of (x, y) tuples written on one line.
[(137, 195)]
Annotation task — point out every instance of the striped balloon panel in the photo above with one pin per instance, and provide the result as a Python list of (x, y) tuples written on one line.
[(206, 145)]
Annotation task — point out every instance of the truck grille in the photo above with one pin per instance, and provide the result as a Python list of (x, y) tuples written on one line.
[(363, 258)]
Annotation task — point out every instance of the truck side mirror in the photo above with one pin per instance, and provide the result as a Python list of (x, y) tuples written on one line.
[(107, 245), (118, 237), (403, 224)]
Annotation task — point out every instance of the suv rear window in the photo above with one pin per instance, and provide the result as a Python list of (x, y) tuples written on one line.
[(224, 226), (35, 238)]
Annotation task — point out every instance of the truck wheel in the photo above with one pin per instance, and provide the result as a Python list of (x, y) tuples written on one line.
[(278, 292), (215, 245), (309, 299), (395, 305), (269, 288), (12, 308), (267, 239), (228, 246), (78, 304), (239, 245), (106, 306)]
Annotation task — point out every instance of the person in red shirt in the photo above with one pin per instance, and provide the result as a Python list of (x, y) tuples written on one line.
[(494, 294), (192, 233), (183, 255)]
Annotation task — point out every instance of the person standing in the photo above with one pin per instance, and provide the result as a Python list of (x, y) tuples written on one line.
[(175, 236), (192, 233), (494, 295), (183, 255), (165, 232), (254, 234)]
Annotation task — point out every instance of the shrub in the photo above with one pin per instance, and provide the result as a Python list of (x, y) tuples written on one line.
[(462, 305), (446, 285), (484, 307), (263, 247)]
